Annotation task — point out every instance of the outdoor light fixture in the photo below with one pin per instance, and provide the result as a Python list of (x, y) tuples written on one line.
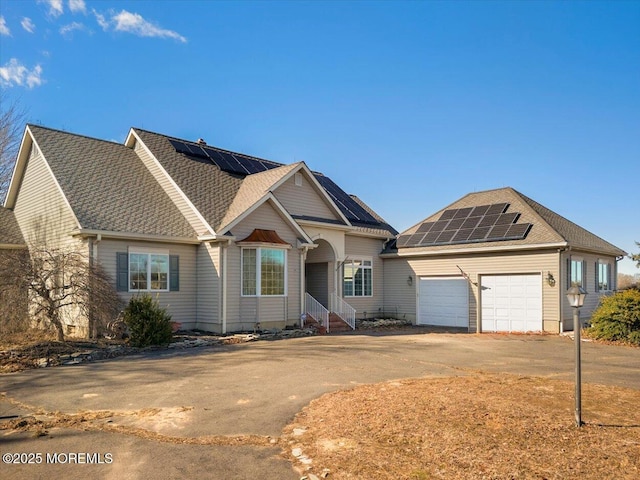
[(550, 280), (410, 280), (576, 296)]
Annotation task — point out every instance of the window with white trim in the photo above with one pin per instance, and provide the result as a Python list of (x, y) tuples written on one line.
[(603, 272), (148, 272), (357, 278), (264, 271), (577, 272)]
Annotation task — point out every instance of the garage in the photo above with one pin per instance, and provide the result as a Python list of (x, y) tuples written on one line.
[(511, 303), (443, 302)]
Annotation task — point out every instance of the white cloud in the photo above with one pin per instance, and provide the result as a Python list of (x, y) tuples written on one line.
[(77, 6), (102, 21), (55, 7), (73, 26), (28, 25), (134, 23), (4, 30), (13, 73)]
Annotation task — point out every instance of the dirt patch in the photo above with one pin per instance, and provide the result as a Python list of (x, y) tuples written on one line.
[(476, 427)]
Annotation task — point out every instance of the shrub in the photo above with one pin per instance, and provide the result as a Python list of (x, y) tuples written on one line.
[(617, 318), (148, 322)]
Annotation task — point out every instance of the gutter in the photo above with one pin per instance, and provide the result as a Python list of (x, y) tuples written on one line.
[(86, 233), (488, 249)]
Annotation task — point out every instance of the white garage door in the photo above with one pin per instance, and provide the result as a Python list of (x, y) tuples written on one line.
[(443, 302), (511, 303)]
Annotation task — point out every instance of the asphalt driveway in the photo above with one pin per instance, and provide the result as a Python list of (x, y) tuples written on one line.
[(217, 412)]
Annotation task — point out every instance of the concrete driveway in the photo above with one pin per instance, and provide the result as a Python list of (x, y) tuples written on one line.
[(217, 412)]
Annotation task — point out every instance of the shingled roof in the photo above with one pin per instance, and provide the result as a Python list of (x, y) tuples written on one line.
[(108, 186), (221, 196), (546, 226), (10, 233)]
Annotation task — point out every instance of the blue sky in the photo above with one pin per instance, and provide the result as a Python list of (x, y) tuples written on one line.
[(409, 105)]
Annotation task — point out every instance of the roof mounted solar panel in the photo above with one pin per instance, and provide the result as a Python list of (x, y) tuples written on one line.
[(448, 214), (455, 223), (497, 208), (430, 238), (479, 211), (425, 227), (519, 230), (446, 236), (507, 218), (498, 231), (471, 222), (479, 234), (481, 223), (403, 240), (180, 147), (463, 212)]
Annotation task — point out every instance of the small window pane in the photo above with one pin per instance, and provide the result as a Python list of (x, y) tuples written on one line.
[(576, 273), (159, 272), (249, 271), (138, 264), (272, 267)]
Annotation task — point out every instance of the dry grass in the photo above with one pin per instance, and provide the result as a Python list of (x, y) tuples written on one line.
[(476, 427)]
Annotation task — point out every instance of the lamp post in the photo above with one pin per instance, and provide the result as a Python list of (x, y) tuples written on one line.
[(576, 295)]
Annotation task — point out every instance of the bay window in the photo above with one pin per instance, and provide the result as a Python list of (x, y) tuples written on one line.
[(264, 271)]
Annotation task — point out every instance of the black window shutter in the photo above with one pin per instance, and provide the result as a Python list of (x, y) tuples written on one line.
[(584, 275), (122, 272), (174, 273), (597, 277), (569, 272)]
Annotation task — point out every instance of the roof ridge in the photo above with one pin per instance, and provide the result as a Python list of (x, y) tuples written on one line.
[(56, 130)]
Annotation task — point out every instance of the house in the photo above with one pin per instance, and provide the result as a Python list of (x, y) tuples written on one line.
[(227, 241), (224, 240), (496, 261)]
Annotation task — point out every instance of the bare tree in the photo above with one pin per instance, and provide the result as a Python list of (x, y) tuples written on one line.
[(13, 293), (625, 281), (62, 284), (12, 121)]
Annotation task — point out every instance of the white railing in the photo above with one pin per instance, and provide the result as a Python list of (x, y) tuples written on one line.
[(315, 309), (343, 310)]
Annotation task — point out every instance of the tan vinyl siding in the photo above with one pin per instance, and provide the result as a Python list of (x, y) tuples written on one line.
[(398, 293), (593, 297), (271, 312), (181, 304), (366, 248), (163, 179), (303, 199), (41, 211), (208, 275)]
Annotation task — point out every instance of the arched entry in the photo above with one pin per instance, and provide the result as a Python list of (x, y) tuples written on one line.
[(319, 272)]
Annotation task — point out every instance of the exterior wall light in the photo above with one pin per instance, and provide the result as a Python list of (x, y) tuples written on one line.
[(550, 280), (576, 296), (410, 280)]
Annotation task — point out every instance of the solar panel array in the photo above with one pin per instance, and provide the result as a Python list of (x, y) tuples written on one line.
[(245, 165), (349, 207), (226, 161), (483, 223)]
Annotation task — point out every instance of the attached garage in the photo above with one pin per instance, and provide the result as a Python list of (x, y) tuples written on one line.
[(511, 303), (443, 302)]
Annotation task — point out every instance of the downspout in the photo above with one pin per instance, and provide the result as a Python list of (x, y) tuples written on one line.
[(303, 258), (560, 283), (223, 298), (93, 258), (615, 272)]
